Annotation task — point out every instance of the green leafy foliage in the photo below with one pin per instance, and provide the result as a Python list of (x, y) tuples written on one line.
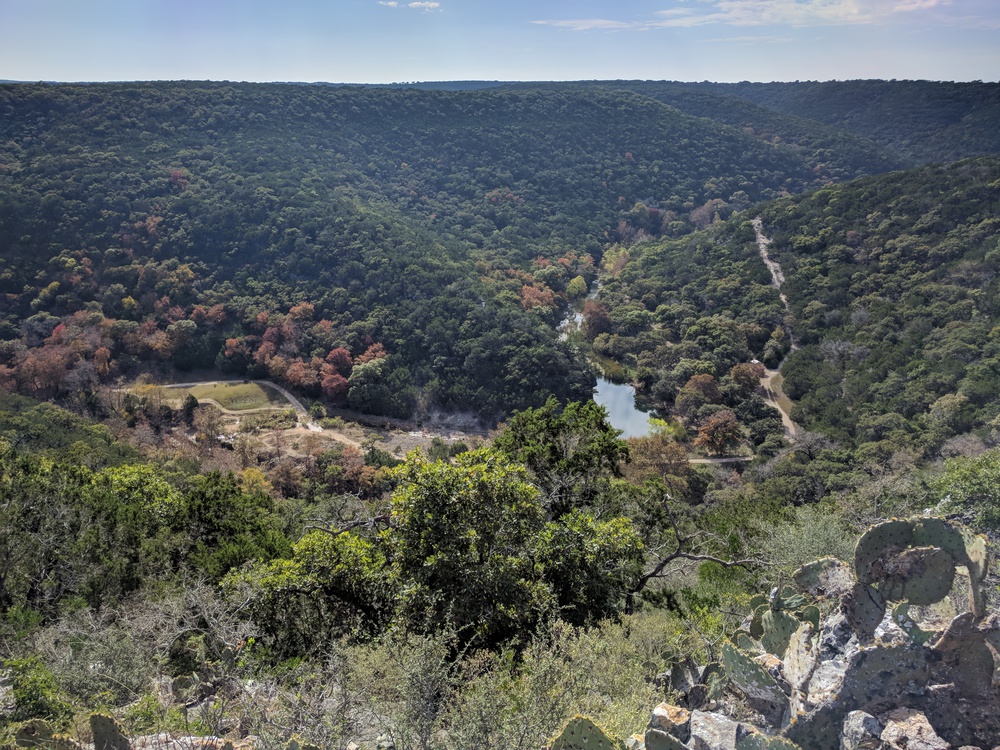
[(570, 451), (35, 692)]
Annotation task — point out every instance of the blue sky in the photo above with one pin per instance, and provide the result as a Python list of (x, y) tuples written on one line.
[(367, 41)]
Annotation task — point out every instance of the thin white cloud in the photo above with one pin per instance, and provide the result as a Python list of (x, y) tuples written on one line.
[(588, 24), (763, 13), (746, 41), (427, 7)]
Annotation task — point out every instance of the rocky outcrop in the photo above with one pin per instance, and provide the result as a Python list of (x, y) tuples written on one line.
[(882, 670)]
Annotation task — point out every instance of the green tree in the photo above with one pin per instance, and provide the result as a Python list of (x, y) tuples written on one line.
[(333, 585), (461, 546), (972, 485), (571, 452), (590, 565)]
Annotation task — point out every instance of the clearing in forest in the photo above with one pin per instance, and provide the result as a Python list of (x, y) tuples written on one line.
[(237, 396)]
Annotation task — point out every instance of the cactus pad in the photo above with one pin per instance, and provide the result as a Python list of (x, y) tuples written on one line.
[(108, 734), (825, 577), (756, 622), (746, 643), (809, 613), (713, 676), (864, 609), (38, 733), (920, 575), (974, 671), (750, 677), (876, 542), (657, 739), (580, 733), (936, 532), (297, 743), (777, 628)]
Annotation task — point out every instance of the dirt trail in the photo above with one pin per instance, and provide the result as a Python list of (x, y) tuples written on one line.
[(772, 380)]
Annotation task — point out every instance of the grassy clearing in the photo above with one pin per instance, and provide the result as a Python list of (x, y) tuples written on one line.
[(237, 396)]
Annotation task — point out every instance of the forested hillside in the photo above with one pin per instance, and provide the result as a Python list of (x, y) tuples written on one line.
[(922, 121), (189, 219), (893, 295)]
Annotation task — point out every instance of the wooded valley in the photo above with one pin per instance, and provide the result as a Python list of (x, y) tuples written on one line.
[(400, 257)]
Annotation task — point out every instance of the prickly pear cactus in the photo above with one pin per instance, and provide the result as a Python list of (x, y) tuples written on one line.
[(714, 679), (920, 575), (750, 677), (108, 734), (33, 733), (580, 733), (657, 739), (790, 599), (777, 629), (38, 733), (297, 743), (745, 643), (973, 669), (968, 551), (864, 609), (825, 577), (937, 532), (810, 613), (757, 621), (876, 542)]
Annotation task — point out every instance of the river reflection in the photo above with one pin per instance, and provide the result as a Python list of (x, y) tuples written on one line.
[(619, 400)]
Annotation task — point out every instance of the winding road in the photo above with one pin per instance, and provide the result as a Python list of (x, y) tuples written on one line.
[(772, 380)]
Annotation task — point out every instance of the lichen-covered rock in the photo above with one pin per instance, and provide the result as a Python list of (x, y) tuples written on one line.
[(710, 731), (758, 741), (749, 676), (908, 729), (861, 731), (800, 658), (673, 720), (825, 682)]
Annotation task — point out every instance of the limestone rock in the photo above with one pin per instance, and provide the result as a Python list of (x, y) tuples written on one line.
[(908, 729), (861, 730), (673, 720), (712, 732), (826, 681)]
